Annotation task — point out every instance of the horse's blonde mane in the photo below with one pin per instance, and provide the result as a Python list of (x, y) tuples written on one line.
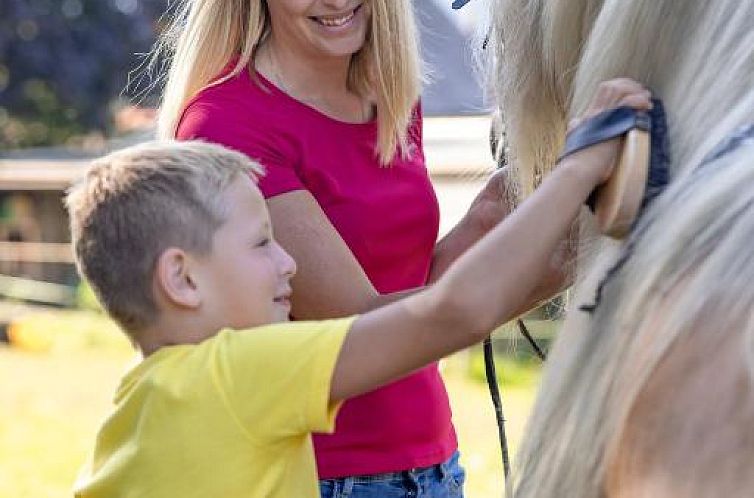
[(691, 272)]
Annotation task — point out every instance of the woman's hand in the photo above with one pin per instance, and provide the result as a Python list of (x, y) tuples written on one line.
[(489, 207), (597, 161), (492, 203)]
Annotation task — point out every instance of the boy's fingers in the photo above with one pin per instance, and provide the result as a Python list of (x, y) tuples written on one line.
[(628, 85), (615, 93), (623, 86), (611, 93), (637, 101)]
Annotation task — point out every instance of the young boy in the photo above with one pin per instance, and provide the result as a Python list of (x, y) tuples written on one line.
[(176, 240)]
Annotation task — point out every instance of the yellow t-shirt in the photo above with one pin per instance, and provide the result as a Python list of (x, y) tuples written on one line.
[(230, 417)]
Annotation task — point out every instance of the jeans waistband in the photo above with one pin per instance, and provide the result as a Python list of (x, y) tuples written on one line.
[(439, 471)]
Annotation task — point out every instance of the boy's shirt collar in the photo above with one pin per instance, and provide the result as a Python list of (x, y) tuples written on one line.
[(138, 368)]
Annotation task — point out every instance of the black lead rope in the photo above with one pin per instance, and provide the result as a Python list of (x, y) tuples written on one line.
[(489, 370), (525, 332), (491, 374), (497, 146)]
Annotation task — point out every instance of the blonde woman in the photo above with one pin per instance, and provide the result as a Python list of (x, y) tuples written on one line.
[(324, 94), (652, 394)]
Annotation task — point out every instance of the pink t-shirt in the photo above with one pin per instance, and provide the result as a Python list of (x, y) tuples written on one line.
[(389, 218)]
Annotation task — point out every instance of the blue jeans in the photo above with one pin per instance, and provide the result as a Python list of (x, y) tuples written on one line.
[(444, 480)]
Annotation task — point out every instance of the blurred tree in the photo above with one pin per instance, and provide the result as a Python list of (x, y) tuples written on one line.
[(64, 62)]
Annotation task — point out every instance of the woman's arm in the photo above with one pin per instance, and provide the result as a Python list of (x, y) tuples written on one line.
[(330, 281)]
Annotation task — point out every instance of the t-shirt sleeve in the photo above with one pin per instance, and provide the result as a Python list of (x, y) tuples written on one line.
[(221, 123), (277, 378)]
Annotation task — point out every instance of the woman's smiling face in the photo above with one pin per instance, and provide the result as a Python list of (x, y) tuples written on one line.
[(320, 28)]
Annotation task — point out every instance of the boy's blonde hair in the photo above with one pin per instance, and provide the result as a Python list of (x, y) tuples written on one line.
[(135, 203), (204, 36)]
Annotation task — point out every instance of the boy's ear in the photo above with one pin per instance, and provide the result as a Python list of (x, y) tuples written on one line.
[(173, 278)]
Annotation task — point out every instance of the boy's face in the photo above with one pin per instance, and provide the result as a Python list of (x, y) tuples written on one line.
[(246, 278)]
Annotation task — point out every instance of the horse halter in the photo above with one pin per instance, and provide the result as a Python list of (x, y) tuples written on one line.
[(736, 139), (459, 3)]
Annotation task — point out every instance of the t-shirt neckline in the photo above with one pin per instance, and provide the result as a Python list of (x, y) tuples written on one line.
[(313, 110)]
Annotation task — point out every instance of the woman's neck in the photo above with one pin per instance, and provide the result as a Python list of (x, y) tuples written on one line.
[(302, 74), (321, 82)]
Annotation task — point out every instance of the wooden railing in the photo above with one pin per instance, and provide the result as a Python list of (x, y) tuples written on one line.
[(36, 252), (25, 289)]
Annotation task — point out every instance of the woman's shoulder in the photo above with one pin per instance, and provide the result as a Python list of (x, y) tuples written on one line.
[(236, 108), (235, 96)]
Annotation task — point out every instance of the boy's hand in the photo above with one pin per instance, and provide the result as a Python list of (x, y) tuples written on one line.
[(598, 160)]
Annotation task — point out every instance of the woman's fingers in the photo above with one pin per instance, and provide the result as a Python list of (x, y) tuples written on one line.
[(497, 181)]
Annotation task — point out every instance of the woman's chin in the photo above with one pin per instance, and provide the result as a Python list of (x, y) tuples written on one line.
[(343, 47)]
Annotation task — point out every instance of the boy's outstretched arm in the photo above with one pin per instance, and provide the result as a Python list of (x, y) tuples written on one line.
[(490, 282)]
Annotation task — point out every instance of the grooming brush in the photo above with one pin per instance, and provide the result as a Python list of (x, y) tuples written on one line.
[(641, 171)]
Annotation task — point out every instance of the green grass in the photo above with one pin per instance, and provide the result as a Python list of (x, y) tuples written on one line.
[(56, 385), (474, 419), (54, 397), (52, 403)]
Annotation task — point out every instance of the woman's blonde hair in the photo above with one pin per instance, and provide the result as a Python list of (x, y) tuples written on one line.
[(204, 36), (607, 421)]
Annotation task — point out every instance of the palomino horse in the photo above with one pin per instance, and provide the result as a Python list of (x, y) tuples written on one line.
[(651, 394)]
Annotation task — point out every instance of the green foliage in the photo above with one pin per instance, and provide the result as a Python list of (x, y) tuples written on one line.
[(515, 361), (46, 120), (86, 298), (511, 371), (63, 64)]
